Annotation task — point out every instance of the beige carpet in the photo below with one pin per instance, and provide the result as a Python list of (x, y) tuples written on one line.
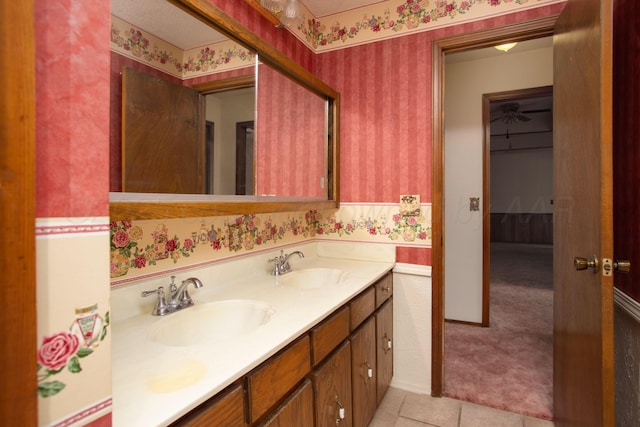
[(509, 364)]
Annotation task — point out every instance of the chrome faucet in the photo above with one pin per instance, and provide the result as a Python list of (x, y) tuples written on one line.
[(180, 298), (281, 263)]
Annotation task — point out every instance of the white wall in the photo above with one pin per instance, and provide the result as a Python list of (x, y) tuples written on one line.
[(412, 328), (225, 110), (466, 82)]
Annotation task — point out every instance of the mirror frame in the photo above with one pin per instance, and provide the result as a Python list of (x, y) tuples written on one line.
[(225, 24)]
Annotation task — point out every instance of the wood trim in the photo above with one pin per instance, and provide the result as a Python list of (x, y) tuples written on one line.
[(161, 210), (486, 210), (18, 402), (222, 85), (437, 220), (535, 28), (264, 12)]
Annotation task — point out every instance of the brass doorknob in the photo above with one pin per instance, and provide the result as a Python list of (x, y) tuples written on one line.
[(622, 265), (581, 263)]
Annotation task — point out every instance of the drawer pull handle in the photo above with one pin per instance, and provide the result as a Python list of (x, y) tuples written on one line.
[(386, 343), (387, 289), (341, 413), (369, 374)]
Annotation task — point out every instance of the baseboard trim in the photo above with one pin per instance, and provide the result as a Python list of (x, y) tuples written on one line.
[(628, 304), (412, 269), (413, 388)]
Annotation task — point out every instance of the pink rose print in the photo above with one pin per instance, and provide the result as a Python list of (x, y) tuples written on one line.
[(120, 239), (57, 349)]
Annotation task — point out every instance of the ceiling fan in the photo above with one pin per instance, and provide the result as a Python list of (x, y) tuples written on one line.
[(511, 113)]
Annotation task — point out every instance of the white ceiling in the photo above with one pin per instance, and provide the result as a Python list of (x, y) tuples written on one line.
[(320, 8)]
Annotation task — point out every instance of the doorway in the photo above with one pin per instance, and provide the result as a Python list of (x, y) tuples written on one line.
[(518, 32), (507, 363)]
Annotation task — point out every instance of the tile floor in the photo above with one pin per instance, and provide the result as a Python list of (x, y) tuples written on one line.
[(401, 408)]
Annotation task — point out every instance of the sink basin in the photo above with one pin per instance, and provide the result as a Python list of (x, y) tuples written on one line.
[(310, 278), (215, 321)]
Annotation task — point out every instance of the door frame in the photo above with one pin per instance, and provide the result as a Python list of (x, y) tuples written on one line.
[(18, 403), (536, 28)]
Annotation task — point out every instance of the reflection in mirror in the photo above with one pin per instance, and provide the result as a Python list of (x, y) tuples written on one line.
[(174, 137), (230, 141), (292, 130), (174, 143), (128, 41)]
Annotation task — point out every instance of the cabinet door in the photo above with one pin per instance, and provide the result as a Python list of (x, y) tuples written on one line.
[(384, 352), (363, 373), (332, 389), (225, 409), (297, 410)]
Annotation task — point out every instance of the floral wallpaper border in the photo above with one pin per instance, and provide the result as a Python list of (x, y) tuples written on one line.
[(395, 17), (144, 47), (145, 247)]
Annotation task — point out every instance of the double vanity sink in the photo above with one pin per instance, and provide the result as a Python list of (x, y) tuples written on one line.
[(164, 366)]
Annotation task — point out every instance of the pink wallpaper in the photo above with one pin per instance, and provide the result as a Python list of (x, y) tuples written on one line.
[(291, 122), (72, 111), (386, 110)]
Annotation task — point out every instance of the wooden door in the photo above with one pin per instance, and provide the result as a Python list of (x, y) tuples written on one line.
[(363, 373), (163, 136), (332, 389), (583, 300)]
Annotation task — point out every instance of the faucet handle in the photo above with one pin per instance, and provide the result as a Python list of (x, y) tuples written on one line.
[(161, 308), (173, 287)]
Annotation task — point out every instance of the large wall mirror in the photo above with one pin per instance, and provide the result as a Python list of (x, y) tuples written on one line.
[(266, 132)]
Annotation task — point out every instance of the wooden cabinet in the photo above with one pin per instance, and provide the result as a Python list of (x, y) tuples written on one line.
[(352, 358), (362, 306), (384, 289), (326, 336), (226, 409), (270, 382), (332, 389), (363, 373), (384, 347), (297, 409)]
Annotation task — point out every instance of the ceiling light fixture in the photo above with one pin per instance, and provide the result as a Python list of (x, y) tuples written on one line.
[(505, 47), (287, 11)]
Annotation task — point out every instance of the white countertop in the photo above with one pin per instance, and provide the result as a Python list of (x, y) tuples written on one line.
[(154, 384)]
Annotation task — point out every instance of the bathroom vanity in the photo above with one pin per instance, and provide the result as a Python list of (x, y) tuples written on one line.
[(310, 347)]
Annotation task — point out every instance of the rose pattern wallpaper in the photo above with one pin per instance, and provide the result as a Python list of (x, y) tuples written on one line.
[(399, 16), (148, 246), (65, 349)]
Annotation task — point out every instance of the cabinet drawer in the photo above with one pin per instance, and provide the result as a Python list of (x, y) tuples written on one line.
[(329, 334), (225, 409), (362, 306), (384, 289), (275, 378)]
